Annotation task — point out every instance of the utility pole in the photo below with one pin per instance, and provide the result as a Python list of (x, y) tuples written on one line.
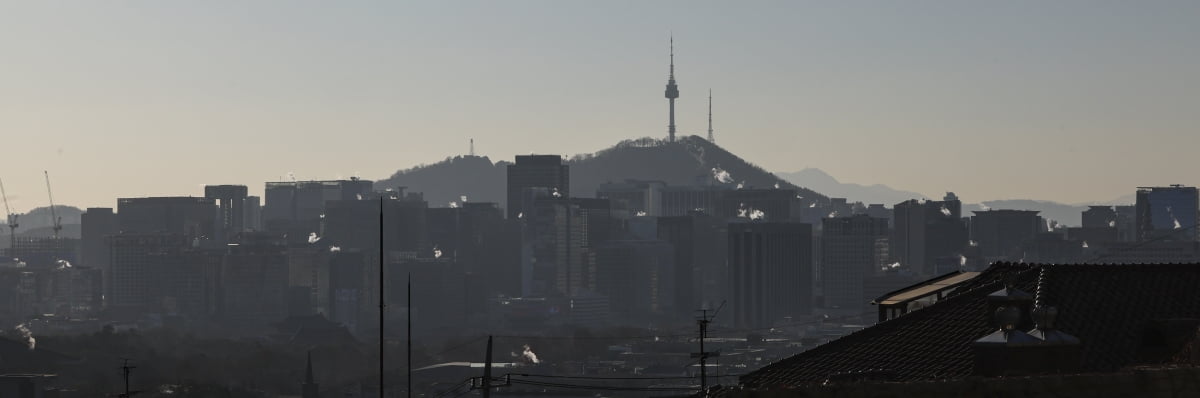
[(126, 370), (487, 370), (382, 303), (702, 321), (409, 335), (485, 382)]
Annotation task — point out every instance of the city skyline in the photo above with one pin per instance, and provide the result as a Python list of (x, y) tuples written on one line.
[(160, 99)]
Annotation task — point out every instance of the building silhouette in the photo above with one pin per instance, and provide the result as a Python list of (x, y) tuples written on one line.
[(295, 207), (1167, 213), (184, 215), (231, 204), (852, 249), (96, 224), (925, 231), (1001, 233), (770, 272), (547, 172)]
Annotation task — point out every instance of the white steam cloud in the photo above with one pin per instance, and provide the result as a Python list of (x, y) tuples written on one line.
[(777, 185), (313, 238), (945, 211), (27, 335), (721, 175), (555, 193), (890, 266), (335, 249), (63, 264), (756, 214), (453, 205), (437, 253), (530, 356), (641, 213), (462, 198)]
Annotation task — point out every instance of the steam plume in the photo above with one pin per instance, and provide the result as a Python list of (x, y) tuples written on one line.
[(313, 238), (27, 335)]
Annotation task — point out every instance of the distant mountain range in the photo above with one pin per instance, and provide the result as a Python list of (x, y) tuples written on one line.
[(821, 181), (689, 161), (38, 223)]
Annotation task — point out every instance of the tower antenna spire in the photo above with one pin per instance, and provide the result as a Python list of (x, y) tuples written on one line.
[(710, 136), (672, 93)]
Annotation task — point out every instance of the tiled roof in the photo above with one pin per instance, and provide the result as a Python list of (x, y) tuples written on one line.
[(1106, 306)]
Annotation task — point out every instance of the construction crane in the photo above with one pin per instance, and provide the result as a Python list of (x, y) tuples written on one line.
[(53, 215), (12, 223)]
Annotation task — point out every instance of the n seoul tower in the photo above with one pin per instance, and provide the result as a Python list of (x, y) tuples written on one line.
[(672, 92)]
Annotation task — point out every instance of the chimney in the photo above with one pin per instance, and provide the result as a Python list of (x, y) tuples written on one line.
[(1007, 351), (1059, 352), (1012, 297)]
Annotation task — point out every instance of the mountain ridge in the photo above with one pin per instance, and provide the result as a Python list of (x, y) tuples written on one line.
[(689, 161)]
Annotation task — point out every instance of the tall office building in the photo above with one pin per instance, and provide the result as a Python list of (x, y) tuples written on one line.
[(770, 272), (1001, 233), (699, 245), (535, 171), (926, 231), (1167, 213), (254, 281), (634, 197), (638, 278), (296, 206), (1099, 217), (184, 215), (852, 249), (97, 223), (230, 201)]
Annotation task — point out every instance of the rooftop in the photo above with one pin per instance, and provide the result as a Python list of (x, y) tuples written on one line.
[(1110, 308)]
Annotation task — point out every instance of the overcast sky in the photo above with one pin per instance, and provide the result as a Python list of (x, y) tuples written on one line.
[(1064, 100)]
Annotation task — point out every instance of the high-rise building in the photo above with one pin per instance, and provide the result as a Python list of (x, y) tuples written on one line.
[(925, 231), (683, 200), (634, 197), (546, 172), (770, 272), (230, 201), (765, 204), (1167, 213), (136, 264), (184, 215), (1099, 217), (852, 249), (254, 282), (296, 207), (638, 277), (97, 223), (1001, 233), (552, 243), (699, 244)]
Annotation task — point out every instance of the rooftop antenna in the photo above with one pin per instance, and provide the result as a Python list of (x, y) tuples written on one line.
[(472, 147), (710, 136), (53, 215), (12, 223)]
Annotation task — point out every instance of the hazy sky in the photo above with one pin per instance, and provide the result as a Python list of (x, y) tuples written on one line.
[(1059, 100)]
